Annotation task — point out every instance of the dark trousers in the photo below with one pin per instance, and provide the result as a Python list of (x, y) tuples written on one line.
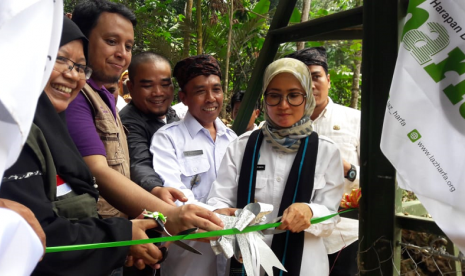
[(132, 271), (344, 262)]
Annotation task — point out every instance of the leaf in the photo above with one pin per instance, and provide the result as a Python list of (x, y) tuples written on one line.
[(296, 16), (356, 47), (314, 44), (322, 12), (261, 7)]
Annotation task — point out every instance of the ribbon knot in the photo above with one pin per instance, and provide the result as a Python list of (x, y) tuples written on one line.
[(248, 248)]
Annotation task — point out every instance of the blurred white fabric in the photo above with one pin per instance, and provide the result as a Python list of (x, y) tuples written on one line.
[(30, 32)]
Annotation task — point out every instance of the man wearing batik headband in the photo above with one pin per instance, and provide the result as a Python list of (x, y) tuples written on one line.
[(188, 153), (342, 125)]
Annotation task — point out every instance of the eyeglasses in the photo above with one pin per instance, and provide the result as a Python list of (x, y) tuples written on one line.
[(65, 65), (294, 99)]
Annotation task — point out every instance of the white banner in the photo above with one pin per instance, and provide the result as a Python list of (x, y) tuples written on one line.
[(424, 126), (30, 33)]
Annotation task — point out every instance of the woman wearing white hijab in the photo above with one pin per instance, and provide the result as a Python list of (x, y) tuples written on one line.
[(296, 171)]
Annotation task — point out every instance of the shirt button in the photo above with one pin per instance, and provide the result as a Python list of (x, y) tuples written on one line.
[(280, 155), (95, 186), (195, 169), (278, 179)]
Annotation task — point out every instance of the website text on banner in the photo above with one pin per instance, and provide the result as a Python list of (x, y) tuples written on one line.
[(424, 125)]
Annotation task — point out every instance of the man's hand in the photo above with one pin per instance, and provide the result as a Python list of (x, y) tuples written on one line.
[(143, 254), (346, 166), (296, 218), (169, 194), (27, 214), (190, 216), (226, 211)]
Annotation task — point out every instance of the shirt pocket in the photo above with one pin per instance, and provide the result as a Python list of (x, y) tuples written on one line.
[(194, 165), (264, 188), (344, 140), (262, 179), (319, 182)]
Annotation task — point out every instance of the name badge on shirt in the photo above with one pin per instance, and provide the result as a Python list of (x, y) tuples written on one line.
[(193, 153), (260, 167)]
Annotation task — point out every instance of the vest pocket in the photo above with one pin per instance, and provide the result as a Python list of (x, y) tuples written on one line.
[(111, 141), (105, 210)]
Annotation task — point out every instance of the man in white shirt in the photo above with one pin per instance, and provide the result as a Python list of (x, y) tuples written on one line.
[(187, 154), (342, 125)]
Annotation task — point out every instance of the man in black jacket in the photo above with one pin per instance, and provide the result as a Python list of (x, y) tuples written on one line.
[(152, 92)]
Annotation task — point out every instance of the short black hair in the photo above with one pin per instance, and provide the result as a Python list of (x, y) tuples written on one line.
[(144, 57), (87, 12), (237, 98), (112, 87)]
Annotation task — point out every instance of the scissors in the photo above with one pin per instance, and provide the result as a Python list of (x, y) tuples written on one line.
[(160, 219), (161, 228)]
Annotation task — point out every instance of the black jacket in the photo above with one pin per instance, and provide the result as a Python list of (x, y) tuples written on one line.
[(29, 182), (141, 128)]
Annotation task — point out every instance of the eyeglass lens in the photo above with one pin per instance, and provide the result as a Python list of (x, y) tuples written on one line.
[(295, 99), (65, 65)]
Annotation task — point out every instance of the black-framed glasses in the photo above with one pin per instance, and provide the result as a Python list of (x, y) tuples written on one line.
[(65, 65), (294, 99)]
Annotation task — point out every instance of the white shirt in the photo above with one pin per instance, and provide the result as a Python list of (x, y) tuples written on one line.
[(181, 109), (181, 151), (270, 184), (121, 103), (342, 125)]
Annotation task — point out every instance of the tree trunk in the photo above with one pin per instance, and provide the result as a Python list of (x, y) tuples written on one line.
[(199, 27), (228, 54), (356, 80), (305, 12), (187, 27), (356, 73)]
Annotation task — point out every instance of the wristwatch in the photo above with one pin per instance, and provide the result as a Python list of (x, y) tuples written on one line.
[(352, 173)]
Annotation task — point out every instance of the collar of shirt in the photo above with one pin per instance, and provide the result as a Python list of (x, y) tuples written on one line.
[(193, 126), (104, 94), (170, 116), (94, 85), (327, 109)]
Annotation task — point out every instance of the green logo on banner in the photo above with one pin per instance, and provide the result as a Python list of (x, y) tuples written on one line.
[(414, 135)]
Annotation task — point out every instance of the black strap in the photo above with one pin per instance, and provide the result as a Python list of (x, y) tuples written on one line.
[(288, 247), (249, 169), (246, 187)]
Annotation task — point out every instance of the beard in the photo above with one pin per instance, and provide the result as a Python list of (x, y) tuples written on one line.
[(159, 113), (100, 76)]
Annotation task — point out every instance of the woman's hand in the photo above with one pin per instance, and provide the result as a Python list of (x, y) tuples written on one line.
[(226, 211), (296, 218), (143, 254)]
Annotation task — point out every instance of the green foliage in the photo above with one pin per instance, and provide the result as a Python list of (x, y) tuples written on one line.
[(296, 16), (161, 28)]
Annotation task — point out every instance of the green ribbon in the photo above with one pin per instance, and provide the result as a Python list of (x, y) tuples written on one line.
[(210, 234)]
